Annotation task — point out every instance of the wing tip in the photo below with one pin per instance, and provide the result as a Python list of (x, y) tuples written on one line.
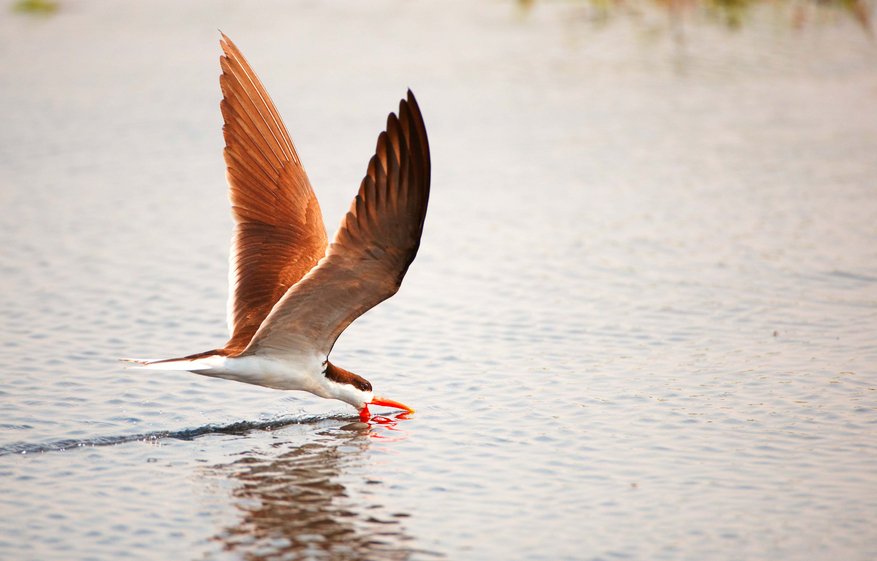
[(224, 39)]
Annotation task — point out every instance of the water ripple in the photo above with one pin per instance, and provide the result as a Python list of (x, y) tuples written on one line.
[(239, 429)]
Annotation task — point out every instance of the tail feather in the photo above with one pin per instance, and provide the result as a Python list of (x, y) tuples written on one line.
[(185, 364), (137, 360)]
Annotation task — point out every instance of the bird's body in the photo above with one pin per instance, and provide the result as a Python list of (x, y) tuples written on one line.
[(289, 372), (291, 292)]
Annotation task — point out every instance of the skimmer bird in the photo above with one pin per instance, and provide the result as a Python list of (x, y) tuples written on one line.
[(291, 292)]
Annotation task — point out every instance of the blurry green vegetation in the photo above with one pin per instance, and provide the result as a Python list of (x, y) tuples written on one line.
[(35, 6), (733, 13)]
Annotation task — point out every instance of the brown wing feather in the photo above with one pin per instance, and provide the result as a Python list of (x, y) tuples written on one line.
[(371, 251), (279, 233)]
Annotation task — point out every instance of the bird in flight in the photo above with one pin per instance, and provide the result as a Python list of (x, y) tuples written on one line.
[(291, 292)]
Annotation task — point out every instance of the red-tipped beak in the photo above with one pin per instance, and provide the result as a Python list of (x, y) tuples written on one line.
[(390, 403)]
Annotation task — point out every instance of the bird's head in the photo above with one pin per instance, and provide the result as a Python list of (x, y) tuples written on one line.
[(357, 391)]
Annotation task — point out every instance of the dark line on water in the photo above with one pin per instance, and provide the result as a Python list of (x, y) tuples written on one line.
[(853, 276), (240, 428)]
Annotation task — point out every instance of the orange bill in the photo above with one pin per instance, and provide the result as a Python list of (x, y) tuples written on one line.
[(390, 403)]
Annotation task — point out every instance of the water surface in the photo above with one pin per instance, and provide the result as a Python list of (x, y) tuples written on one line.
[(641, 323)]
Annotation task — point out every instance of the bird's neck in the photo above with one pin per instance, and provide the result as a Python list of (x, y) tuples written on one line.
[(346, 386)]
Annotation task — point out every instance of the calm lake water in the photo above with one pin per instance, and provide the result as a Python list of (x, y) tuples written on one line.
[(642, 323)]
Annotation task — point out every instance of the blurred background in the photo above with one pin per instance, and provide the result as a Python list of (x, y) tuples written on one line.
[(641, 324)]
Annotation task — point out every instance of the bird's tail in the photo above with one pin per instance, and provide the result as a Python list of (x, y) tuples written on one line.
[(186, 364)]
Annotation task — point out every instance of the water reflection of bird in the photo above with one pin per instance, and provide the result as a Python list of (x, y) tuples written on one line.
[(294, 507), (291, 292)]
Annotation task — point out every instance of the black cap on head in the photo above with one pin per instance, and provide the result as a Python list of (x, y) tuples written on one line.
[(342, 376)]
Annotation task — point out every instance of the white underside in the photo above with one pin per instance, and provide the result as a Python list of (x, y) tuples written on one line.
[(291, 372)]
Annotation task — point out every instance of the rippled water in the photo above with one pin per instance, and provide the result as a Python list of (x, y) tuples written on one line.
[(641, 324)]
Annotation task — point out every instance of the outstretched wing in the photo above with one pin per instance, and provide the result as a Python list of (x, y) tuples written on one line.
[(371, 251), (279, 233)]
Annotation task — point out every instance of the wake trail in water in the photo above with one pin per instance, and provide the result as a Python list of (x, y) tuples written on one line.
[(239, 428)]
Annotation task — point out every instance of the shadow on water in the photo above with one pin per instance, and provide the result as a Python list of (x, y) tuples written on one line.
[(294, 505), (240, 428)]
